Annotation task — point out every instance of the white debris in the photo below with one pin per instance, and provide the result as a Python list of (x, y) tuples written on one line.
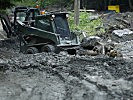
[(94, 17), (120, 33)]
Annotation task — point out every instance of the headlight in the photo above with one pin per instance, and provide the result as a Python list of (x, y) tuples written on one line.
[(67, 15), (53, 16)]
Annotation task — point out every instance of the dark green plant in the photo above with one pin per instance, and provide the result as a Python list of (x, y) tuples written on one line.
[(91, 27)]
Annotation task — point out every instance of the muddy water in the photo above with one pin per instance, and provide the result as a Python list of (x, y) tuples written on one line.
[(63, 77)]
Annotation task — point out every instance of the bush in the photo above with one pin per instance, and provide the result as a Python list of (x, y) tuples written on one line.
[(91, 27), (27, 3)]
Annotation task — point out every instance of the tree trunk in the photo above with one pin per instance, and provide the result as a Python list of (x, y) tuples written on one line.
[(76, 11), (131, 4)]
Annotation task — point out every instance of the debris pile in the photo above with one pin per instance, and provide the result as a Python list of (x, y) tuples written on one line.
[(95, 45), (118, 20), (119, 26)]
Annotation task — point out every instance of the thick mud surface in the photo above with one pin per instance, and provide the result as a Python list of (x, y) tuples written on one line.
[(49, 76), (45, 76)]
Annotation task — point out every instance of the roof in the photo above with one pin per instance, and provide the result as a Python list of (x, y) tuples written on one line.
[(49, 14)]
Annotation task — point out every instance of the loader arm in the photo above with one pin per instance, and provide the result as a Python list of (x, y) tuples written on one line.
[(6, 25)]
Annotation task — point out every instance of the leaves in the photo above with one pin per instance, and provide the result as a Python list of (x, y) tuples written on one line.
[(92, 27), (43, 3)]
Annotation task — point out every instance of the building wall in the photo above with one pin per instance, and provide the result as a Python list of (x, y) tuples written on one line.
[(103, 4)]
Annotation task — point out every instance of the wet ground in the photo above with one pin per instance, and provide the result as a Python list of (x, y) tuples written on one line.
[(49, 76), (46, 76)]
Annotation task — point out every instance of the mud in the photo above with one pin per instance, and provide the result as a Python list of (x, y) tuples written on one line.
[(46, 76), (49, 76)]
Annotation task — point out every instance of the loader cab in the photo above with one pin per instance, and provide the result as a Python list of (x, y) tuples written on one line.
[(56, 23), (62, 26), (44, 23), (31, 14)]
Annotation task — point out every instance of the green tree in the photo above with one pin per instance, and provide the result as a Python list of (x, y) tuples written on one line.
[(43, 3), (7, 3)]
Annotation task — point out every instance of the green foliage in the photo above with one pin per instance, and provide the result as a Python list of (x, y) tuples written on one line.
[(42, 3), (2, 11), (9, 0), (4, 4), (32, 3), (51, 2), (29, 3), (91, 27)]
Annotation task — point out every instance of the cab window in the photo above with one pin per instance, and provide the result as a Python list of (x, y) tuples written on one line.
[(44, 24)]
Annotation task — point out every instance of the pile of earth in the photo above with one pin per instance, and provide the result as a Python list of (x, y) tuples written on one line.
[(119, 26), (118, 20)]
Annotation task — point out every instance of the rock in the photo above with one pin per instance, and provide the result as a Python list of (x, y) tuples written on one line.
[(87, 52), (90, 42), (123, 32), (114, 53)]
